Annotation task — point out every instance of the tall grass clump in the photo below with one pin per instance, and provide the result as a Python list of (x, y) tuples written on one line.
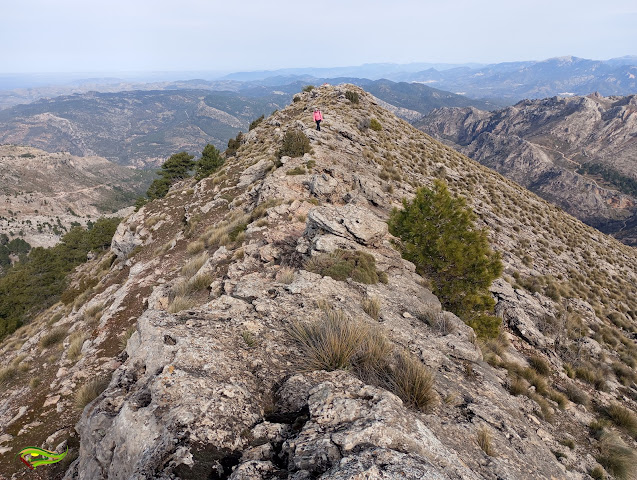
[(339, 343), (90, 391), (484, 440), (75, 348), (616, 457), (371, 306), (623, 418), (53, 337), (193, 265), (413, 382), (330, 344)]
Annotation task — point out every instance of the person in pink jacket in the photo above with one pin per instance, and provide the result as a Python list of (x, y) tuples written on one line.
[(318, 116)]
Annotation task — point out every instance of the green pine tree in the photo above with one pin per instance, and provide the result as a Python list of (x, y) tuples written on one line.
[(439, 237), (209, 162), (177, 167)]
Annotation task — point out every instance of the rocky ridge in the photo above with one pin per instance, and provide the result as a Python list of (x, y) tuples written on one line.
[(543, 144), (211, 384)]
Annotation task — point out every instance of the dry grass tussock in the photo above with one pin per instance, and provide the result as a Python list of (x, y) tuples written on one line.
[(484, 440), (616, 457), (53, 337), (371, 306), (340, 343), (90, 391), (193, 265), (228, 231), (75, 348)]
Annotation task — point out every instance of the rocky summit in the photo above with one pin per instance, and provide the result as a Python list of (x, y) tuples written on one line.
[(578, 152), (189, 357)]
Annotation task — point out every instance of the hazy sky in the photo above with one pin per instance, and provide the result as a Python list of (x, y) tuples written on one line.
[(141, 35)]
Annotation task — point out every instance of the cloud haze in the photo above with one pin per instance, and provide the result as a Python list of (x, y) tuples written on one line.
[(141, 35)]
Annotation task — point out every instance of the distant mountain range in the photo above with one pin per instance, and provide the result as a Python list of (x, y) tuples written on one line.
[(501, 83), (143, 128), (579, 152)]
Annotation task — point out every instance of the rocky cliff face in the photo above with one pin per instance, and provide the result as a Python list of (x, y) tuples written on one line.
[(214, 279), (578, 152)]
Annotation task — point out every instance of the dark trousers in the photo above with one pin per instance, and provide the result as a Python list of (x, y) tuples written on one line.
[(318, 125)]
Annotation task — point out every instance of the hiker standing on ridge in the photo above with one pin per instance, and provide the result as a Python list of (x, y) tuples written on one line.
[(318, 116)]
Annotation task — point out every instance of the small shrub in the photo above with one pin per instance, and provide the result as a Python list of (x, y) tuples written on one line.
[(90, 391), (484, 441), (34, 382), (343, 264), (567, 442), (617, 458), (300, 170), (296, 98), (308, 88), (485, 326), (53, 337), (375, 125), (249, 338), (255, 123), (352, 96), (295, 144), (371, 306)]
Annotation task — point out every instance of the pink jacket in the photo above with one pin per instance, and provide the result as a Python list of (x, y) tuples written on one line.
[(318, 115)]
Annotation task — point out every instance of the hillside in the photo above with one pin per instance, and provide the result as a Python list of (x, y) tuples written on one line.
[(186, 359), (139, 128), (43, 194), (579, 153)]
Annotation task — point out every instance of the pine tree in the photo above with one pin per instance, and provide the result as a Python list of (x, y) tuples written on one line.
[(209, 162), (439, 237), (177, 167)]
